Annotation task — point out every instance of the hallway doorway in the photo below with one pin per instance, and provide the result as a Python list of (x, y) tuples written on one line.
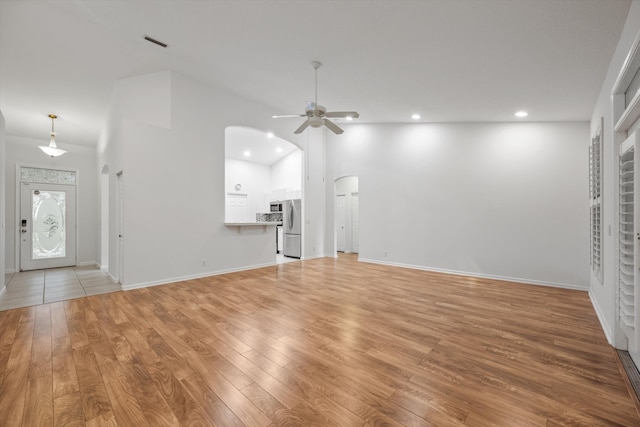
[(347, 215)]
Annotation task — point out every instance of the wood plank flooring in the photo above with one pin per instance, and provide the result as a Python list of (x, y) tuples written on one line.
[(325, 342)]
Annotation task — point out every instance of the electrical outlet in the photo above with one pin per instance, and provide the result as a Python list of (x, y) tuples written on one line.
[(385, 253), (204, 263)]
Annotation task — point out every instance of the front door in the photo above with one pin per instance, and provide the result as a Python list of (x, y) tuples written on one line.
[(47, 226)]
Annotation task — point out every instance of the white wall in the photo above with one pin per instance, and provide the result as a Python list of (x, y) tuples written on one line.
[(603, 294), (499, 200), (140, 99), (3, 222), (21, 150), (287, 172), (314, 207), (174, 179), (255, 180)]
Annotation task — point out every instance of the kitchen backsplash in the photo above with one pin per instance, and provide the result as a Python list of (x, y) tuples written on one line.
[(269, 217)]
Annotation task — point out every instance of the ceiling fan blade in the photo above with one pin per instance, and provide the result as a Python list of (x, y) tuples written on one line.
[(302, 127), (342, 114), (288, 115), (333, 127)]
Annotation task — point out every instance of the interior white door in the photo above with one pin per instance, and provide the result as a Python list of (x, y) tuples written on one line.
[(120, 228), (355, 223), (341, 222), (47, 226), (236, 207), (629, 244)]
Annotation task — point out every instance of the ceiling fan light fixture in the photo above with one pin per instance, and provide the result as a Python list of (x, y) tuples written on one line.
[(317, 115), (52, 149), (316, 122)]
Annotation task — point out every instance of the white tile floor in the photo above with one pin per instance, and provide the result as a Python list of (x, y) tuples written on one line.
[(56, 284)]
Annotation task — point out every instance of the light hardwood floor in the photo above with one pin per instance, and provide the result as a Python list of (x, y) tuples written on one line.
[(325, 342)]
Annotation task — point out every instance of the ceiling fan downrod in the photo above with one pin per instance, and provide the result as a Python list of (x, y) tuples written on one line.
[(316, 65)]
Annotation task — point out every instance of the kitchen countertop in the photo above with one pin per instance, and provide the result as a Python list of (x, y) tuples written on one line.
[(250, 224)]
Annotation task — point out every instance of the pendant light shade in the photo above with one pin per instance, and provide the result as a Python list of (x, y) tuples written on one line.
[(52, 149)]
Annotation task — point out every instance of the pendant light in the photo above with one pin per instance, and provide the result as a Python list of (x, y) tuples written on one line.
[(52, 149)]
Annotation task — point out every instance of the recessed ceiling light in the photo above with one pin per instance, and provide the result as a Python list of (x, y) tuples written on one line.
[(247, 153), (349, 118), (278, 150), (415, 116), (270, 135), (522, 114)]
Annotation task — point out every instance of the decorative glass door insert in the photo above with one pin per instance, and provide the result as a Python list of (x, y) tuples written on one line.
[(48, 221)]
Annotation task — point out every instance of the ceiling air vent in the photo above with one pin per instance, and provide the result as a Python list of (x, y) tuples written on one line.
[(158, 42)]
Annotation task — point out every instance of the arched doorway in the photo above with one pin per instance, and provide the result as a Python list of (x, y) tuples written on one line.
[(262, 171)]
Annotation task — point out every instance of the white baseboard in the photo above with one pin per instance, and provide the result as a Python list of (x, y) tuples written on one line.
[(484, 276), (307, 258), (194, 276), (603, 320), (371, 261), (10, 271), (88, 264), (105, 269), (115, 279)]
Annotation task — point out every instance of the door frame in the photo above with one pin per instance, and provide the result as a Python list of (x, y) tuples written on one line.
[(355, 194), (337, 222), (119, 212), (347, 192), (18, 202)]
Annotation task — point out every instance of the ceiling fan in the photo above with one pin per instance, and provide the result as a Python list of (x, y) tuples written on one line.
[(317, 115)]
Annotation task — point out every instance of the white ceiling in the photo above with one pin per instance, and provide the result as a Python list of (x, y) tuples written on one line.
[(262, 148), (449, 60)]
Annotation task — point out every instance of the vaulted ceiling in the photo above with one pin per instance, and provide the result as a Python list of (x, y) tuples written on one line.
[(448, 60)]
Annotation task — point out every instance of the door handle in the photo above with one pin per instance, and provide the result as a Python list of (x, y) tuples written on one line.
[(290, 216), (24, 230)]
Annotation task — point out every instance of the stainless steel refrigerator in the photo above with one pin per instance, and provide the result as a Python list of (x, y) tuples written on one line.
[(292, 228)]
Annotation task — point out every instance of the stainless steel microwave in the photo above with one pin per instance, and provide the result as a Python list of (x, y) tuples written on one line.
[(276, 207)]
